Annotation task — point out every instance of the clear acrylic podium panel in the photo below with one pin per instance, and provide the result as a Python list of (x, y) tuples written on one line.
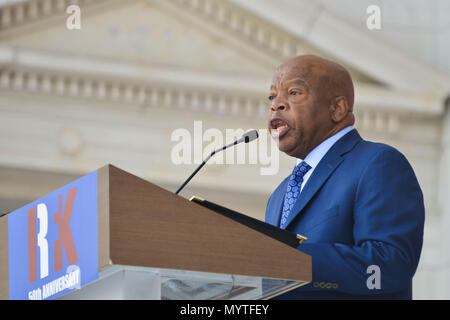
[(135, 283)]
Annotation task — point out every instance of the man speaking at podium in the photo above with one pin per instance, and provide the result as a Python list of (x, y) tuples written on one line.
[(358, 203)]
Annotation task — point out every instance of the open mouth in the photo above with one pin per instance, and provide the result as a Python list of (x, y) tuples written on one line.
[(278, 128)]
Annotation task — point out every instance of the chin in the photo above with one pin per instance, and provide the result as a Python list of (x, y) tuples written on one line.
[(291, 150), (286, 148)]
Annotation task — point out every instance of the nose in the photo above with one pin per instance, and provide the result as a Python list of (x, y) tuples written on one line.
[(277, 105)]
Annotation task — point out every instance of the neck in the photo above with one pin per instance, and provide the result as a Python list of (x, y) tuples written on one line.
[(330, 133)]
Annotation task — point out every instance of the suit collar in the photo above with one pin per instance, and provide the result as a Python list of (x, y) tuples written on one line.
[(313, 158), (324, 169)]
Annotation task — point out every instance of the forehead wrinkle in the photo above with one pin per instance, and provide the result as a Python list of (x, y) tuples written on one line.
[(297, 78), (298, 81)]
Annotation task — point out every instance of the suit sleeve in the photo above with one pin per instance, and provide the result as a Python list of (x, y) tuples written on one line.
[(388, 231)]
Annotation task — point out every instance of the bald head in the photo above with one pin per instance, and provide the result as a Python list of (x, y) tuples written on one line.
[(313, 97), (327, 78)]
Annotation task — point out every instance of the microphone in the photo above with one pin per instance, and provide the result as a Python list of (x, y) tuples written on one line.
[(246, 137)]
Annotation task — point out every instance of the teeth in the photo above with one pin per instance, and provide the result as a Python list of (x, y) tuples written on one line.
[(281, 128)]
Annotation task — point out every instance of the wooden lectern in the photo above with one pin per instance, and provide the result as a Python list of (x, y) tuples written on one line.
[(144, 227)]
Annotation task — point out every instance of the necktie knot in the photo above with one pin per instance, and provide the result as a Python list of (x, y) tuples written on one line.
[(302, 168), (299, 171)]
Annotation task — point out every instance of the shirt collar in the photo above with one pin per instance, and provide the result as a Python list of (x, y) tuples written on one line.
[(313, 158)]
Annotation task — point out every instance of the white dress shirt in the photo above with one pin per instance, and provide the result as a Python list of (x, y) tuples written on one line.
[(313, 158)]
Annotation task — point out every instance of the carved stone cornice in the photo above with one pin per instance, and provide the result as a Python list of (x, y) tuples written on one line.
[(354, 45), (16, 17), (251, 30), (33, 72), (256, 25), (148, 95), (270, 41), (145, 94)]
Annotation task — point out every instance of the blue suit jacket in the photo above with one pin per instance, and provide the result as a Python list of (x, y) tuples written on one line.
[(362, 206)]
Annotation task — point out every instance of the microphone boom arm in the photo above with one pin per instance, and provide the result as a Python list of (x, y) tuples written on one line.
[(203, 163)]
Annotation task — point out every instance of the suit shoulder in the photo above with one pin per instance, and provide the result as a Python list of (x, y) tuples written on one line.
[(375, 149), (370, 153)]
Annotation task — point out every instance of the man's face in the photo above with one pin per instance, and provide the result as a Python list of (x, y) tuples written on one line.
[(298, 118)]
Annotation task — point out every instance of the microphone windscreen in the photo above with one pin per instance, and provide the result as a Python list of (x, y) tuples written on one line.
[(250, 136)]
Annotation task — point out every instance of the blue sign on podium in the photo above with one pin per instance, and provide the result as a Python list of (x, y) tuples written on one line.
[(53, 242)]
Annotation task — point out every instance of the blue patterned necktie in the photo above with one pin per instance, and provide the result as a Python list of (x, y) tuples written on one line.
[(293, 190)]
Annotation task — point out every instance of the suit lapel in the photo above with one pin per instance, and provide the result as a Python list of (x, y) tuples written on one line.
[(324, 169), (278, 203)]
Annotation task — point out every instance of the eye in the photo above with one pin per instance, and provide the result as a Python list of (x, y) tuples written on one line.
[(271, 97), (295, 92)]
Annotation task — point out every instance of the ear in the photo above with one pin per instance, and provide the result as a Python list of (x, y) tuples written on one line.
[(339, 109)]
